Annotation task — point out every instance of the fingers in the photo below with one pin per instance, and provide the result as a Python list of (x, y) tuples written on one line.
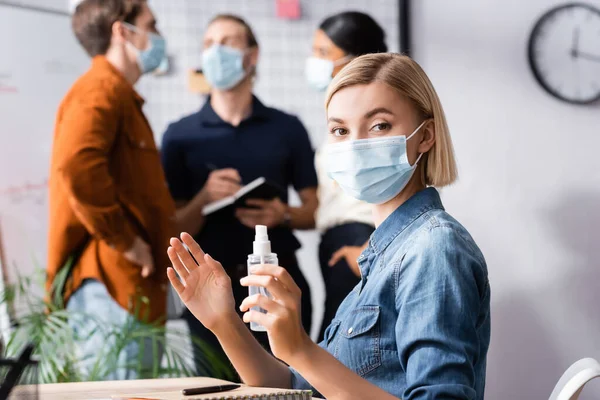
[(175, 282), (147, 264), (337, 256), (147, 271), (226, 187), (355, 268), (275, 287), (186, 263), (214, 265), (277, 272), (250, 213), (258, 317), (258, 203), (223, 183), (184, 255), (250, 218), (176, 262), (249, 222), (228, 173), (261, 301), (194, 247)]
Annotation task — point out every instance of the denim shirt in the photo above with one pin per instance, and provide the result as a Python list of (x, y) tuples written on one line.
[(418, 323)]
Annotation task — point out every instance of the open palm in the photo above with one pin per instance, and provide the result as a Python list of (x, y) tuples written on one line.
[(205, 287)]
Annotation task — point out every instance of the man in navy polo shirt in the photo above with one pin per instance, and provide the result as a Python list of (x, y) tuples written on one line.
[(231, 141)]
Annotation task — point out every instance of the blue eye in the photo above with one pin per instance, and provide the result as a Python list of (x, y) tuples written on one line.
[(384, 126)]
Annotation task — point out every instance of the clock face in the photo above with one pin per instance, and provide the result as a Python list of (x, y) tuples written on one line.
[(564, 53)]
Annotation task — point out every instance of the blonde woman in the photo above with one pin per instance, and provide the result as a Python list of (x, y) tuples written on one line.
[(418, 324)]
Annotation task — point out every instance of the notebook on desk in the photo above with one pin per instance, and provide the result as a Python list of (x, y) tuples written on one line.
[(243, 393)]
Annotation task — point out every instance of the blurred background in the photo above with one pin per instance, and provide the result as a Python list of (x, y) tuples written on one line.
[(529, 188)]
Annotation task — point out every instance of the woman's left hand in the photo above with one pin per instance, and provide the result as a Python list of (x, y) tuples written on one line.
[(283, 319)]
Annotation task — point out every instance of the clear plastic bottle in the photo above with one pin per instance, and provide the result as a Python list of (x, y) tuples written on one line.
[(261, 255)]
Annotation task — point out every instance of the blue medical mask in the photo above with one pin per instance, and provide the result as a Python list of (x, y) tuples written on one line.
[(319, 72), (372, 170), (164, 67), (150, 58), (223, 66)]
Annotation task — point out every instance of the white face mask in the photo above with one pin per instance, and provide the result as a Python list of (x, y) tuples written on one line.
[(223, 66), (150, 58), (373, 170), (319, 72)]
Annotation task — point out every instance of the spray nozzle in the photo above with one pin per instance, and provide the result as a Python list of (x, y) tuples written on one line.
[(262, 246), (261, 233)]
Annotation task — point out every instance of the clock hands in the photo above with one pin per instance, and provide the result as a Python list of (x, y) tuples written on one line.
[(588, 56), (575, 45), (576, 53)]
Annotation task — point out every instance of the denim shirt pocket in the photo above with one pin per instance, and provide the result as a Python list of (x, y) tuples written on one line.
[(359, 344), (331, 331)]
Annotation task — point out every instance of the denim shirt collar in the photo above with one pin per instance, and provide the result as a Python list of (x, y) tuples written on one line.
[(403, 216), (423, 201)]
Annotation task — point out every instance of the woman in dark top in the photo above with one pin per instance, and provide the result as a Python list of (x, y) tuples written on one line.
[(345, 223)]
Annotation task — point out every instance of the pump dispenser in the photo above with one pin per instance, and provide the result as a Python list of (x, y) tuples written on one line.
[(262, 245), (261, 255)]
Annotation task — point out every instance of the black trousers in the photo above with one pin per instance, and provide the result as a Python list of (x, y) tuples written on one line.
[(339, 280), (236, 272)]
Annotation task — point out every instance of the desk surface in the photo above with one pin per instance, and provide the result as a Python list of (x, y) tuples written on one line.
[(104, 390)]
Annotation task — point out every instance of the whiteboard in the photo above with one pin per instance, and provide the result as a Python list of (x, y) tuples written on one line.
[(39, 61), (60, 6)]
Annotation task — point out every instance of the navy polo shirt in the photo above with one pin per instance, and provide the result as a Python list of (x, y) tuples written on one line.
[(269, 143)]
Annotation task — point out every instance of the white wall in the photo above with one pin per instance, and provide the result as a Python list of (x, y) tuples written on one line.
[(529, 190), (36, 70)]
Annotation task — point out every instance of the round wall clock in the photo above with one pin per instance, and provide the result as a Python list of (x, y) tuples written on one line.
[(564, 52)]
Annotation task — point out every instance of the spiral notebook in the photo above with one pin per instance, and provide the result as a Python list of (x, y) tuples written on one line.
[(243, 393), (256, 394)]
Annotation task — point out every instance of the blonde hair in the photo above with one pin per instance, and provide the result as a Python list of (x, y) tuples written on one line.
[(406, 77)]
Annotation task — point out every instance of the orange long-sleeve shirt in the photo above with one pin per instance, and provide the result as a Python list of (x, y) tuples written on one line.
[(106, 187)]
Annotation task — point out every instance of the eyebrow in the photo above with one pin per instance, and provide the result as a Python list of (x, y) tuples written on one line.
[(375, 111), (379, 110), (234, 36)]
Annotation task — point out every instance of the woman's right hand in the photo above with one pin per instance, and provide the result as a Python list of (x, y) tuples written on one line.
[(205, 287)]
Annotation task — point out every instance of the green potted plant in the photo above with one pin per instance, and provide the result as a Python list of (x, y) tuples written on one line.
[(46, 325)]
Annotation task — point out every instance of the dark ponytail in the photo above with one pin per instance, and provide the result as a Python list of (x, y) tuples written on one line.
[(355, 33)]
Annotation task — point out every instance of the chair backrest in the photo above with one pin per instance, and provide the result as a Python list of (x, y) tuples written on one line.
[(571, 383)]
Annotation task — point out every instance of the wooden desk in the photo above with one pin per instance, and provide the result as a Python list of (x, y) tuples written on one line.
[(104, 390)]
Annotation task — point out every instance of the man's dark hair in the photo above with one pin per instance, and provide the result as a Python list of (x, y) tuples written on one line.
[(93, 20)]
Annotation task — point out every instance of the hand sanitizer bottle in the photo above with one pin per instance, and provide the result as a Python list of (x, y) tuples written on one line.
[(261, 255)]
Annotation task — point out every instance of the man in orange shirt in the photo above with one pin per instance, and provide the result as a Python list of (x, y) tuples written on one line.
[(110, 208)]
